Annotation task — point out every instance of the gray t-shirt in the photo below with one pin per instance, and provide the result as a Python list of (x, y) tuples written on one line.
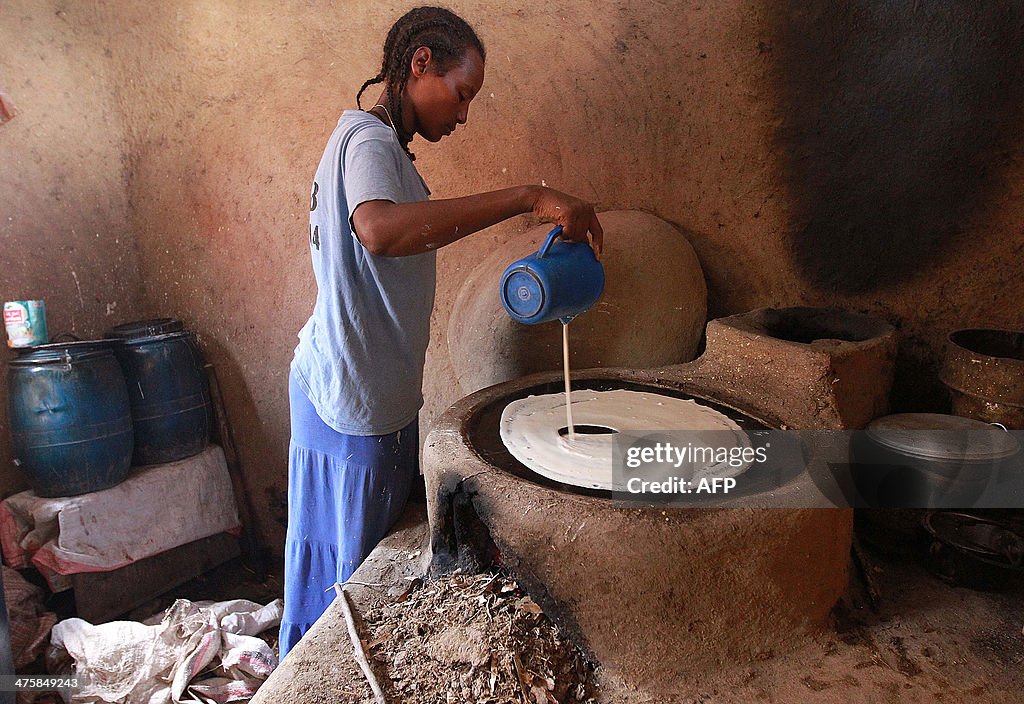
[(360, 356)]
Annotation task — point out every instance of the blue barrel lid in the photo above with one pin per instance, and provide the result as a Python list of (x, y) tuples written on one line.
[(145, 328), (153, 339), (522, 293), (61, 352)]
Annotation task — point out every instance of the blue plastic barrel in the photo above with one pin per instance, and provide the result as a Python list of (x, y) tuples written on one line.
[(70, 419), (167, 388)]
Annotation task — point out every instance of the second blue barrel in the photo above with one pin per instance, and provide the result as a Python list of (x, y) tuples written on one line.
[(167, 387)]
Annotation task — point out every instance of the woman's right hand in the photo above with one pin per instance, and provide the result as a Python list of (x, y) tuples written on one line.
[(577, 217)]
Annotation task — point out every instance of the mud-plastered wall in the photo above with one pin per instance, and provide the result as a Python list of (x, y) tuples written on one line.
[(65, 230), (851, 154)]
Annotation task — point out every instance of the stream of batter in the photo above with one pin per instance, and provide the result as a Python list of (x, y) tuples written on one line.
[(568, 394)]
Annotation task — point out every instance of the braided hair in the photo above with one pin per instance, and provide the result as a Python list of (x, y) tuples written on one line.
[(446, 35)]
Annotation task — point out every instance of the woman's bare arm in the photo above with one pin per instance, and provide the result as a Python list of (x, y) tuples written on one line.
[(401, 229)]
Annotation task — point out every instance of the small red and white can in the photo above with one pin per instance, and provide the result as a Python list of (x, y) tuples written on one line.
[(26, 323)]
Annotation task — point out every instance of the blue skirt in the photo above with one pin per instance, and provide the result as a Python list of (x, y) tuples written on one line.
[(344, 494)]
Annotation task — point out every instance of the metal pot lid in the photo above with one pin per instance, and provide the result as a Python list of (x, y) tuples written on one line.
[(145, 328), (934, 436)]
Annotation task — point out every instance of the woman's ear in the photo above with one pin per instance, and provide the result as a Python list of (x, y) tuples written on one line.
[(421, 61)]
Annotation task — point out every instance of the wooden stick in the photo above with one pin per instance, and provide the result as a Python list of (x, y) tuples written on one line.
[(252, 551), (357, 646), (518, 665)]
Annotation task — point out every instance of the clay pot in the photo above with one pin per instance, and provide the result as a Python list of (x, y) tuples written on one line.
[(984, 371)]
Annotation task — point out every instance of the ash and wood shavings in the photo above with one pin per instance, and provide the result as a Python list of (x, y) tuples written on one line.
[(477, 639)]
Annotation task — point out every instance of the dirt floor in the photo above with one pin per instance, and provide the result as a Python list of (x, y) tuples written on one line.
[(900, 635), (927, 642), (456, 640)]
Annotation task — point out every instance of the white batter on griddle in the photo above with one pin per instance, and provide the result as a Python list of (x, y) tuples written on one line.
[(529, 429)]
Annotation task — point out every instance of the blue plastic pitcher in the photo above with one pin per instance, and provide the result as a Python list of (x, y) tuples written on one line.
[(560, 281)]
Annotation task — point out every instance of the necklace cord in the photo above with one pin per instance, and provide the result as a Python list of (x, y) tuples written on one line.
[(391, 122), (401, 142)]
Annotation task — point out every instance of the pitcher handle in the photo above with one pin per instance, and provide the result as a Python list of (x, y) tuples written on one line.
[(549, 241)]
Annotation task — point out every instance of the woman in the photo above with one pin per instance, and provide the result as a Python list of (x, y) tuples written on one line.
[(355, 381)]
